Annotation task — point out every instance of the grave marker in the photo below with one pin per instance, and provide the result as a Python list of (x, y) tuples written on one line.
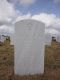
[(29, 47)]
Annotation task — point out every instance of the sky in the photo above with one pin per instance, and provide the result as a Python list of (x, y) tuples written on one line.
[(46, 11)]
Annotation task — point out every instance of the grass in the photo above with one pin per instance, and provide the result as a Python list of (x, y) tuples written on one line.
[(52, 64)]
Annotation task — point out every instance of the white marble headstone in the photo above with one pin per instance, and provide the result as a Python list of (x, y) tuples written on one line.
[(2, 39), (58, 38), (12, 39), (48, 39), (29, 47)]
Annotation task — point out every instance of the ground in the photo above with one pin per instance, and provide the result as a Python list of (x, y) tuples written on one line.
[(52, 64)]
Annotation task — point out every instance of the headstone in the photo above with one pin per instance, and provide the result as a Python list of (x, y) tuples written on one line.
[(2, 39), (53, 38), (29, 47), (58, 38), (12, 39), (48, 39)]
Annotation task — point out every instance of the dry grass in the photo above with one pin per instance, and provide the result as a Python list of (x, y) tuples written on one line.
[(52, 64)]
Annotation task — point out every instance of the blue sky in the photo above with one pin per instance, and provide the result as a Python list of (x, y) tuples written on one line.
[(47, 6), (47, 11)]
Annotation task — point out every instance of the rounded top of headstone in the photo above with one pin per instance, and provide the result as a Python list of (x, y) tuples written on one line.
[(29, 21)]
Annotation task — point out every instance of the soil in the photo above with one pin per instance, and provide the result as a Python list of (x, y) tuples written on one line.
[(52, 64)]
